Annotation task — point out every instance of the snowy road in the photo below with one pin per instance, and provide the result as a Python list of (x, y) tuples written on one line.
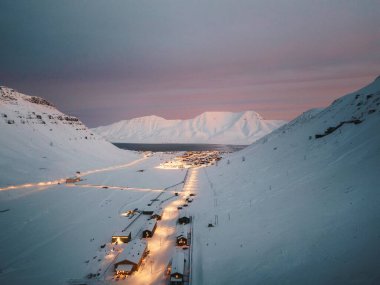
[(63, 180)]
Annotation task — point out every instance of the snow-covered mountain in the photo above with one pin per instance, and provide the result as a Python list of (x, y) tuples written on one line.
[(38, 142), (210, 127), (299, 206)]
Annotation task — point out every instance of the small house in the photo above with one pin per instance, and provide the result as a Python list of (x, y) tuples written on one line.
[(157, 214), (149, 228), (130, 259), (183, 219), (181, 240), (183, 236), (122, 237), (177, 270)]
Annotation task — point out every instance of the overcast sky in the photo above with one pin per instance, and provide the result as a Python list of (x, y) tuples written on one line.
[(104, 61)]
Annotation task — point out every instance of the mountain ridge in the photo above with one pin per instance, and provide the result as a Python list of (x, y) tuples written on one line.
[(209, 127)]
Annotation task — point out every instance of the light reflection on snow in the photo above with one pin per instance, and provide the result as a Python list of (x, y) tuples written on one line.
[(162, 244), (28, 185), (63, 180), (116, 187)]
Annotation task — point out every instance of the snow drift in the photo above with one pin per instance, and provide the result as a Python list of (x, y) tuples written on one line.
[(38, 142), (210, 127), (299, 206)]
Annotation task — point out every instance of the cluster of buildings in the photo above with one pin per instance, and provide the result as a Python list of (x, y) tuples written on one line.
[(179, 266), (134, 246), (193, 159), (187, 200), (199, 158), (136, 249)]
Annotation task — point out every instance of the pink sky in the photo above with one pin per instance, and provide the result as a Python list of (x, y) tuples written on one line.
[(176, 59)]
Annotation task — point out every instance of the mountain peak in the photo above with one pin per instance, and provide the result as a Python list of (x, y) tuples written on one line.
[(149, 118)]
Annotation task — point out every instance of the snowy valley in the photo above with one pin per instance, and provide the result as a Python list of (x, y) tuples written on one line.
[(298, 206)]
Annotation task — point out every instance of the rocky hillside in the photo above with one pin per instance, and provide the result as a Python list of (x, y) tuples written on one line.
[(38, 142)]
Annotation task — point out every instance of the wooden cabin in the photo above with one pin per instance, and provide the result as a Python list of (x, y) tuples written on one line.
[(183, 219), (149, 228), (183, 236), (130, 259), (73, 179), (181, 240), (157, 214), (177, 270), (122, 237)]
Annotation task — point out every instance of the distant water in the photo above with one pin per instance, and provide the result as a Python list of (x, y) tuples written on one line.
[(178, 147)]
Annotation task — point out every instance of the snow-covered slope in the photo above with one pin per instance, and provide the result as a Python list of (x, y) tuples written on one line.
[(293, 208), (210, 127), (38, 142)]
